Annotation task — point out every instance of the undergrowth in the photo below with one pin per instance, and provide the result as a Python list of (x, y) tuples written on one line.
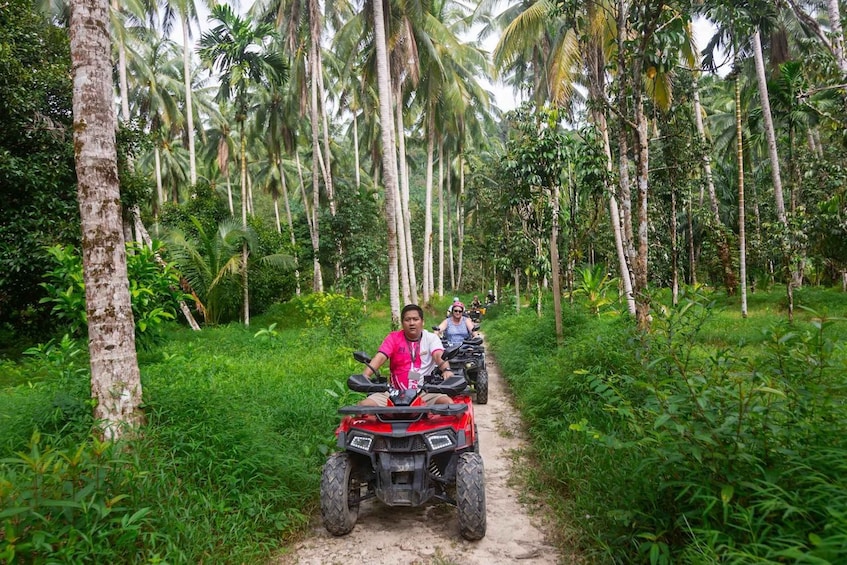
[(677, 447)]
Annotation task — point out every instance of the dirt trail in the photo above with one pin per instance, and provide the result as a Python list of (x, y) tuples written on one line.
[(430, 535)]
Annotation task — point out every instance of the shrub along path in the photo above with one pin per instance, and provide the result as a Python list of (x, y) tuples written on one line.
[(430, 534)]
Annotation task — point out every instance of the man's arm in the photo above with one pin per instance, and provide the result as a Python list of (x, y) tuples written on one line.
[(441, 363), (376, 363)]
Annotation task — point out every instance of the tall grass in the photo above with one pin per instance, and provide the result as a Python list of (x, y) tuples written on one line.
[(225, 470), (713, 439)]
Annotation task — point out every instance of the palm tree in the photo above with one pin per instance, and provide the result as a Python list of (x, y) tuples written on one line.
[(389, 156), (157, 85), (186, 11), (211, 263), (237, 48), (115, 378), (833, 38)]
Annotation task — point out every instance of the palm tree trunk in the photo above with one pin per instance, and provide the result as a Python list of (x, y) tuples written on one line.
[(160, 195), (402, 252), (250, 195), (674, 251), (326, 165), (615, 219), (119, 38), (327, 154), (189, 109), (356, 150), (290, 221), (404, 197), (276, 214), (554, 265), (427, 254), (742, 238), (229, 195), (692, 263), (450, 215), (623, 153), (769, 128), (441, 218), (389, 161), (837, 34), (460, 220), (774, 159), (115, 378), (314, 118), (517, 275), (317, 278), (244, 254), (223, 167)]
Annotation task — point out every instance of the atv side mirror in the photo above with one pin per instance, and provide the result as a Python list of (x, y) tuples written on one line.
[(450, 352), (361, 383), (361, 357)]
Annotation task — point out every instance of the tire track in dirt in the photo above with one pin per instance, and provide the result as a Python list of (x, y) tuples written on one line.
[(429, 535)]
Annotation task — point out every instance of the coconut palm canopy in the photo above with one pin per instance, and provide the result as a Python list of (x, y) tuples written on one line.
[(302, 115)]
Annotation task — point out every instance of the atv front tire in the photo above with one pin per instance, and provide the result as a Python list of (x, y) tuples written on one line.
[(482, 387), (470, 496), (339, 495)]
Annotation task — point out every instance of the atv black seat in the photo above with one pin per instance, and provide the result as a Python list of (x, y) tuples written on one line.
[(394, 412)]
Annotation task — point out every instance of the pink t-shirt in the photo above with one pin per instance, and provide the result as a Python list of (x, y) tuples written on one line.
[(404, 355)]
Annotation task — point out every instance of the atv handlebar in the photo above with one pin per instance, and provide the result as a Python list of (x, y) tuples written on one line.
[(453, 386)]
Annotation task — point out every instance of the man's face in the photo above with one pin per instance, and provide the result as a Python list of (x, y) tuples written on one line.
[(412, 325)]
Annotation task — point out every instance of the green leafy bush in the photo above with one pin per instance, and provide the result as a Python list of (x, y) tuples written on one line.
[(72, 505), (153, 286), (339, 315)]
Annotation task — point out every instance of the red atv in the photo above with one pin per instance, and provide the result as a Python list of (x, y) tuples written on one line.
[(405, 454)]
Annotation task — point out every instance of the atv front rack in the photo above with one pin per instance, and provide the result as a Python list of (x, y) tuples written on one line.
[(399, 411)]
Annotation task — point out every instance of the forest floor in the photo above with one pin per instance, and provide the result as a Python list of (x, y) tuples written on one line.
[(518, 530)]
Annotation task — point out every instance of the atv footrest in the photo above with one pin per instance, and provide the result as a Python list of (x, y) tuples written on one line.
[(437, 409)]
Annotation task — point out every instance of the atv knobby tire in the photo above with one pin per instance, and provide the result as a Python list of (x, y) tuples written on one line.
[(482, 387), (470, 496), (339, 495)]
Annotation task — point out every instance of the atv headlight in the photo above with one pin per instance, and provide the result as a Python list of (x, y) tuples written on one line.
[(361, 442), (443, 439), (470, 365)]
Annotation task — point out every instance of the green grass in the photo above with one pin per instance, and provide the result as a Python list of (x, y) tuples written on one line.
[(226, 468)]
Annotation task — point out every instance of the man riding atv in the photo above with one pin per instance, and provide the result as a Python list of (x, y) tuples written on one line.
[(413, 353)]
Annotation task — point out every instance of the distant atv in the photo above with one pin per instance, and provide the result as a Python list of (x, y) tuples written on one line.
[(405, 454), (469, 360)]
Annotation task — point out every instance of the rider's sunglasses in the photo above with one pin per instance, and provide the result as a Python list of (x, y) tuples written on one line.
[(457, 310)]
